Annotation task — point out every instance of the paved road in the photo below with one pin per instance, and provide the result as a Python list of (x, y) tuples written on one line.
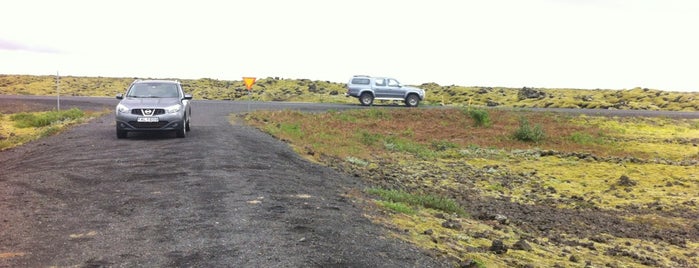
[(225, 196)]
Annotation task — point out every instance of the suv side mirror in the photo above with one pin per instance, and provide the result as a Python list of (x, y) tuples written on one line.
[(187, 96), (119, 96)]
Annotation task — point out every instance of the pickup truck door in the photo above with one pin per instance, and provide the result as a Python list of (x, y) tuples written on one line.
[(381, 88), (395, 89)]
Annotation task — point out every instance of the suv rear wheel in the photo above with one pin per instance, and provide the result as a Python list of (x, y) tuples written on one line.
[(366, 99), (412, 100)]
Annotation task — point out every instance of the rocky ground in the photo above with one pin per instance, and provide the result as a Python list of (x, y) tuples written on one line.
[(542, 222)]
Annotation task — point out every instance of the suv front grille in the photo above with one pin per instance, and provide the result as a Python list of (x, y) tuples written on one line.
[(144, 111), (148, 124)]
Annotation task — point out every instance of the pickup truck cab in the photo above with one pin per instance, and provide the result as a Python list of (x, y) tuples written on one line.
[(368, 88)]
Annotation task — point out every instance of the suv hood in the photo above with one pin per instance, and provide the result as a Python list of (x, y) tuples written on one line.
[(149, 102)]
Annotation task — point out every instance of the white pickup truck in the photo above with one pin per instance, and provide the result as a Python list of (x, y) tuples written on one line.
[(368, 89)]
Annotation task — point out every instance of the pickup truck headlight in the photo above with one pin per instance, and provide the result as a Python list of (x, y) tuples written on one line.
[(122, 109), (173, 109)]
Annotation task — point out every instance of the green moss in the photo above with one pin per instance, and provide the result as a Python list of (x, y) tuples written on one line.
[(639, 163)]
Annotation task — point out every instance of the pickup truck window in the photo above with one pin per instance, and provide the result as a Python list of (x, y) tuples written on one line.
[(360, 81), (393, 83)]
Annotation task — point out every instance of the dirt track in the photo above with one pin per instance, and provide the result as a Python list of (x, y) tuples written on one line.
[(225, 196)]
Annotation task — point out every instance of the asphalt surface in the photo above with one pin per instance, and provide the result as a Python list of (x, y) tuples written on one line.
[(227, 195)]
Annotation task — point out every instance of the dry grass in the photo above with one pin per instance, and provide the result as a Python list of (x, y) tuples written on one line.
[(14, 131), (643, 169)]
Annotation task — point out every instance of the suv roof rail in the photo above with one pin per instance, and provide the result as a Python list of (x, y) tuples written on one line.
[(361, 75)]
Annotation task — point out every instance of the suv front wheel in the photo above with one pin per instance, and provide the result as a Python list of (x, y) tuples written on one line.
[(366, 99), (412, 100), (181, 132), (121, 134)]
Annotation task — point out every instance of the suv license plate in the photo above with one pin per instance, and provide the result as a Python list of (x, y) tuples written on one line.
[(147, 120)]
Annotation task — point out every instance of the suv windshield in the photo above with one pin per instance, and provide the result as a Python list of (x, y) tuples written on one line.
[(153, 90)]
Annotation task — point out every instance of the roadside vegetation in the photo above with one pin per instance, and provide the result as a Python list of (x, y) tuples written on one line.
[(305, 90), (19, 128), (496, 188)]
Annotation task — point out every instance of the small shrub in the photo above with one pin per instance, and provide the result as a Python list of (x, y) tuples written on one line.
[(441, 203), (527, 133), (408, 133), (481, 117)]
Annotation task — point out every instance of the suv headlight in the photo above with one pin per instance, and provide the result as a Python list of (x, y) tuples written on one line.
[(173, 109), (122, 108)]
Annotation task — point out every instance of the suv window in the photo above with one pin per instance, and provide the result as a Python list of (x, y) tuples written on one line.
[(360, 81), (380, 82), (154, 90)]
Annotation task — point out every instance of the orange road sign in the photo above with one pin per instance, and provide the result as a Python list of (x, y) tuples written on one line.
[(249, 81)]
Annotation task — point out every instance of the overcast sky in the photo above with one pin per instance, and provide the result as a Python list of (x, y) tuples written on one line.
[(610, 44)]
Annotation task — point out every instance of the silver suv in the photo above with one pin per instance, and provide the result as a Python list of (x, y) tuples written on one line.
[(153, 105), (368, 89)]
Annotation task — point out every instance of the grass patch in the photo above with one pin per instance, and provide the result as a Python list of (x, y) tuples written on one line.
[(367, 138), (585, 138), (291, 129), (443, 145), (408, 146), (25, 127), (397, 207), (427, 201), (377, 114), (25, 120)]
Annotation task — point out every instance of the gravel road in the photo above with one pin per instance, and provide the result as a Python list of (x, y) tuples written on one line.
[(225, 196)]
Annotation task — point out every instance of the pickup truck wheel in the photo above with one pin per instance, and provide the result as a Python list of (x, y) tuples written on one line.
[(366, 99), (412, 100)]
